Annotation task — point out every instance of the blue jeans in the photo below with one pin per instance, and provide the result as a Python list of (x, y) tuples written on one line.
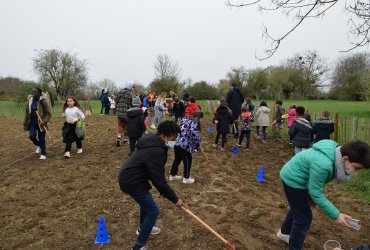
[(263, 132), (35, 131), (299, 218), (149, 212)]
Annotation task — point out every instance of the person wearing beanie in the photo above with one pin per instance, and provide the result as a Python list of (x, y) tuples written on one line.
[(135, 123), (304, 178)]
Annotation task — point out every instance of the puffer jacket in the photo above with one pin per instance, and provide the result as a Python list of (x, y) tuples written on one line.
[(190, 108), (292, 116), (263, 116), (123, 102), (189, 137), (246, 120), (43, 108), (323, 128), (224, 118), (310, 170), (301, 133)]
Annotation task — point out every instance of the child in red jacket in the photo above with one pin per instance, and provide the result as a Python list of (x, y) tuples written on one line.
[(191, 106)]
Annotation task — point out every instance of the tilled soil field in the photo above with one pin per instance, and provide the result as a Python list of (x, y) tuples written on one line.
[(56, 204)]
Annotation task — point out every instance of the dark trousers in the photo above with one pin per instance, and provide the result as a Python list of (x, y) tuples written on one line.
[(68, 147), (263, 132), (247, 134), (106, 109), (149, 212), (133, 141), (299, 218), (223, 139), (102, 108), (235, 128), (177, 117), (184, 156), (35, 133)]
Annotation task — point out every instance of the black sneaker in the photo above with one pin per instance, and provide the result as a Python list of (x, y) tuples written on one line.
[(118, 142)]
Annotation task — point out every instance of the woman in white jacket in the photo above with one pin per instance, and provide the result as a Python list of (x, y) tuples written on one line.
[(263, 120)]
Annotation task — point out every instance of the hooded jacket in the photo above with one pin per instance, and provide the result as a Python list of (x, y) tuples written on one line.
[(43, 109), (310, 170), (263, 116), (135, 122), (144, 165), (292, 116), (189, 137), (301, 132), (323, 128), (123, 102), (235, 100), (224, 118), (190, 108)]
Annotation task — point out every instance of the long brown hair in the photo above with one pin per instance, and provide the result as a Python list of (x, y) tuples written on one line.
[(74, 99)]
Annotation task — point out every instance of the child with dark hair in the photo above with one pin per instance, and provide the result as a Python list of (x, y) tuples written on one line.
[(304, 178), (147, 164), (72, 112), (37, 115), (191, 106), (178, 109), (301, 131), (323, 127), (135, 123), (246, 120), (263, 120), (277, 125), (223, 119), (187, 143)]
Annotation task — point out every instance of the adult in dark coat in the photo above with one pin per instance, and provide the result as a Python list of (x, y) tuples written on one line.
[(144, 165), (135, 123), (235, 100)]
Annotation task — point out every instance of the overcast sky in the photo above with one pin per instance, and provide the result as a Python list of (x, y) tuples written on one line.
[(121, 39)]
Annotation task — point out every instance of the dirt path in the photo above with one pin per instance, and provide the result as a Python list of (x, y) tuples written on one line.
[(56, 204)]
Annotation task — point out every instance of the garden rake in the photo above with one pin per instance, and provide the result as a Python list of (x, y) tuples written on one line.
[(209, 163), (46, 130), (229, 245)]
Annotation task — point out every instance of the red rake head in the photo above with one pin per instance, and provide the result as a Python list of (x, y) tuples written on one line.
[(230, 246)]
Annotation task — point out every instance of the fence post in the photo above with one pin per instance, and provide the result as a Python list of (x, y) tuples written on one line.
[(336, 127)]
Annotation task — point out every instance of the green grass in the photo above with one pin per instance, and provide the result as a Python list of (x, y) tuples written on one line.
[(359, 186)]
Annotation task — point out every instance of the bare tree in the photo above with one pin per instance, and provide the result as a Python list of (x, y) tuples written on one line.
[(237, 76), (61, 70), (301, 11), (164, 68), (108, 85), (309, 69)]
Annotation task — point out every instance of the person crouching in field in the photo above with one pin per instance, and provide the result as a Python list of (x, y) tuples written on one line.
[(37, 116), (72, 112), (187, 143), (246, 120), (147, 164), (304, 178), (301, 131), (223, 119), (135, 123), (323, 127)]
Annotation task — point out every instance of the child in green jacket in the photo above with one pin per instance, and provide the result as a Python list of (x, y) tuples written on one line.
[(304, 178)]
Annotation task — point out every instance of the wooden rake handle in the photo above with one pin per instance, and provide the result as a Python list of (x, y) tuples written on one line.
[(46, 130), (229, 245)]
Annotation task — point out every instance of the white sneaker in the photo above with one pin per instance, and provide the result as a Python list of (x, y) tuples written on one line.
[(214, 145), (283, 237), (223, 149), (79, 151), (42, 157), (175, 177), (153, 126), (188, 180), (67, 155), (155, 230), (38, 150), (239, 145)]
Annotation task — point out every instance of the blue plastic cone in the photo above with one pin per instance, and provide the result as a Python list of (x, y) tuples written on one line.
[(235, 149), (209, 130), (260, 177), (102, 235)]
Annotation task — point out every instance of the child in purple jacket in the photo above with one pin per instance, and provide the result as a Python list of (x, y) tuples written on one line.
[(187, 143)]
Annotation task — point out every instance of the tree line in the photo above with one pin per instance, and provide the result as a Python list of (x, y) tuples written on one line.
[(303, 75)]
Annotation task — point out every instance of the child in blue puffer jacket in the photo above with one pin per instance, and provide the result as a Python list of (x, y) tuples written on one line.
[(304, 178), (187, 143)]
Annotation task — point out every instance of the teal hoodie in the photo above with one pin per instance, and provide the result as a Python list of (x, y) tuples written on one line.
[(311, 169)]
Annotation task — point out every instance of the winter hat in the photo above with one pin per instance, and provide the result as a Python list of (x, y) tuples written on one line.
[(136, 101)]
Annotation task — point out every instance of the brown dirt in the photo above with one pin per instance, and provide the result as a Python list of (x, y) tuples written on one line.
[(56, 204)]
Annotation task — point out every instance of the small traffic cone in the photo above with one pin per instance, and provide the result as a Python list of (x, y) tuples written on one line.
[(235, 149), (260, 177), (209, 130), (102, 235)]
